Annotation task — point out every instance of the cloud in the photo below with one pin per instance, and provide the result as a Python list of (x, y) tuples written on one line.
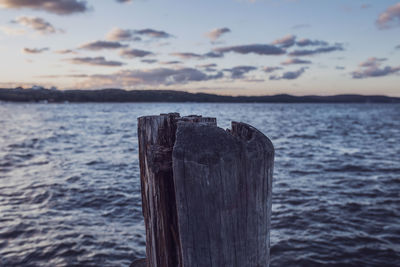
[(390, 18), (340, 68), (372, 62), (124, 1), (65, 51), (153, 33), (271, 69), (173, 62), (37, 24), (374, 72), (217, 33), (292, 61), (35, 50), (259, 49), (320, 50), (397, 47), (77, 75), (287, 41), (118, 34), (213, 55), (95, 61), (99, 45), (254, 80), (59, 7), (308, 42), (208, 67), (239, 71), (211, 65), (132, 53), (290, 75), (151, 77), (371, 68), (187, 55), (149, 61)]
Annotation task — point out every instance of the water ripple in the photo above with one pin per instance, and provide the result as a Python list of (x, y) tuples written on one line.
[(70, 191)]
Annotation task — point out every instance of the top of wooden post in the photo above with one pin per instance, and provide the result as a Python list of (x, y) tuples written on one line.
[(206, 192)]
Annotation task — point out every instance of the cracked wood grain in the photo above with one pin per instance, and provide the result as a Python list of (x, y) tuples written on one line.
[(206, 192)]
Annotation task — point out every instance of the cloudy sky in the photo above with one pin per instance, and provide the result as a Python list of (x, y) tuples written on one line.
[(239, 47)]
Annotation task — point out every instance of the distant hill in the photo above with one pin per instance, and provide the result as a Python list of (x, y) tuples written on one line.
[(118, 95)]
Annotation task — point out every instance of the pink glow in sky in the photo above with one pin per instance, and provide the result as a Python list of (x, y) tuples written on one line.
[(227, 47)]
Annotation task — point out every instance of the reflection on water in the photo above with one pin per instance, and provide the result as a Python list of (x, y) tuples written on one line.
[(70, 192)]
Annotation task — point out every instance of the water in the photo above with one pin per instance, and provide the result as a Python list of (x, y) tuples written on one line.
[(70, 194)]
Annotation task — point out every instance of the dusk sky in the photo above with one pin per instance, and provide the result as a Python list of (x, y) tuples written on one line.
[(237, 47)]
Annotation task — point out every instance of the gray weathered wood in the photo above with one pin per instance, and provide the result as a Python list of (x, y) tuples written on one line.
[(138, 263), (206, 192), (156, 136)]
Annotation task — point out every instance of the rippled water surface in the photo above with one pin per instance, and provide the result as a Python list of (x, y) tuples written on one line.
[(70, 191)]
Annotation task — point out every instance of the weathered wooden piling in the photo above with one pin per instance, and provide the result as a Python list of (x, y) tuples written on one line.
[(206, 192)]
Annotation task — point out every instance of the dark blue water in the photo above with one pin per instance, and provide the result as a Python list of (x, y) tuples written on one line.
[(70, 192)]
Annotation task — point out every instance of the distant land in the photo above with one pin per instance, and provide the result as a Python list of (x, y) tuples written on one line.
[(119, 95)]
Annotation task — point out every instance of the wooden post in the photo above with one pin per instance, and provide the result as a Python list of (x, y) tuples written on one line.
[(206, 192)]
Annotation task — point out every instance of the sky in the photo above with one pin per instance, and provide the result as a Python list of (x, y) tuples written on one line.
[(230, 47)]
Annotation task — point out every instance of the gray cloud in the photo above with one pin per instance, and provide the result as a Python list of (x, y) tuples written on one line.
[(187, 55), (99, 45), (371, 68), (37, 24), (397, 47), (132, 53), (153, 33), (118, 34), (217, 33), (77, 75), (239, 71), (292, 61), (372, 62), (340, 68), (290, 75), (124, 1), (66, 51), (211, 65), (390, 18), (154, 77), (308, 42), (95, 61), (287, 41), (213, 55), (173, 62), (259, 49), (320, 50), (208, 67), (374, 72), (149, 61), (254, 80), (59, 7), (35, 50), (271, 69)]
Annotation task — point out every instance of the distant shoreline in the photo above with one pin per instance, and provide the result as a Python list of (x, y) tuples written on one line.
[(123, 96)]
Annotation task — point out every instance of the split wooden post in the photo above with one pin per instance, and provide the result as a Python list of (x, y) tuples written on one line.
[(206, 192)]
